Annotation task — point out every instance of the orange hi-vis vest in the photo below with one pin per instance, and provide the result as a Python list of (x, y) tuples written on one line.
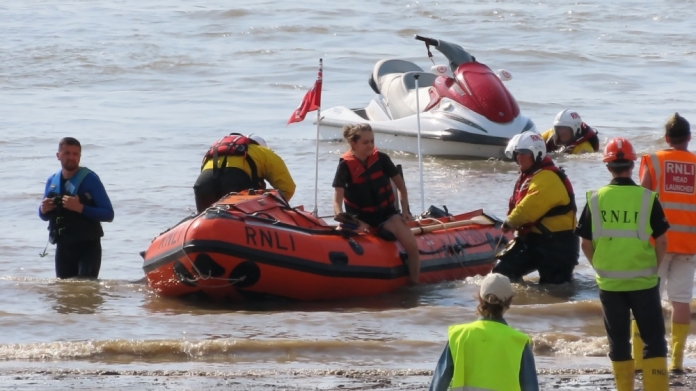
[(673, 177)]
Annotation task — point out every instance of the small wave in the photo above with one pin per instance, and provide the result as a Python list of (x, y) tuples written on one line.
[(219, 350), (219, 14)]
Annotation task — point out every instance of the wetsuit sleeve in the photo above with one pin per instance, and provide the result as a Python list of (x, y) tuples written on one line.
[(658, 221), (341, 178), (277, 174), (584, 228), (442, 376), (388, 165), (528, 375), (103, 211), (42, 216), (546, 191)]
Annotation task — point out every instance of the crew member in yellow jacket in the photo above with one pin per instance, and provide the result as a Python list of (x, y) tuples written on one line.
[(542, 212), (243, 163), (570, 135)]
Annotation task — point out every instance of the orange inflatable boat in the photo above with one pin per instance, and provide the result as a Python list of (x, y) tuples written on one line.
[(256, 246)]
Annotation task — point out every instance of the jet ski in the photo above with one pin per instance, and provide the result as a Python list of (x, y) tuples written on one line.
[(465, 110)]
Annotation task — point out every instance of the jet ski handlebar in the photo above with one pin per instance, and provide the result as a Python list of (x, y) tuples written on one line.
[(429, 41)]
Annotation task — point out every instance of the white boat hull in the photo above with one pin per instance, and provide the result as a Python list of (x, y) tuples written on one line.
[(446, 131)]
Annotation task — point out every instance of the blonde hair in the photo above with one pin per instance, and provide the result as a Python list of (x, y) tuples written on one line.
[(352, 132)]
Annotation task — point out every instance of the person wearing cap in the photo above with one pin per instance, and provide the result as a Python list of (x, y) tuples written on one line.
[(672, 174), (616, 228), (542, 212), (570, 135), (487, 354), (241, 163)]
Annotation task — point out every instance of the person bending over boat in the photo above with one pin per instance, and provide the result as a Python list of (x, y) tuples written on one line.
[(570, 135), (74, 203), (542, 211), (487, 354), (362, 183), (242, 163)]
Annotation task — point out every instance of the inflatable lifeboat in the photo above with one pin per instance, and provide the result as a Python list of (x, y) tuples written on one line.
[(254, 245)]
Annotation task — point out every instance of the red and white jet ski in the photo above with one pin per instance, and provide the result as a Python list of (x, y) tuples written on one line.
[(465, 114)]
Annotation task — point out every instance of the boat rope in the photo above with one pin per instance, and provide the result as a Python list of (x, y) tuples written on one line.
[(444, 227), (199, 276)]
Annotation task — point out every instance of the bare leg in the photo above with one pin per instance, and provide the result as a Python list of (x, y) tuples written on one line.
[(397, 226)]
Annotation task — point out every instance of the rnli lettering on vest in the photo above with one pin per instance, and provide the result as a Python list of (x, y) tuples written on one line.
[(680, 177), (619, 216)]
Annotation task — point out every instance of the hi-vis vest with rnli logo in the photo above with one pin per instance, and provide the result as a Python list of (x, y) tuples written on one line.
[(370, 188), (673, 176), (624, 259), (487, 355)]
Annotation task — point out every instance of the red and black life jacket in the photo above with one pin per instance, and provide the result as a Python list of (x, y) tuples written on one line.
[(370, 189), (522, 187), (233, 145), (587, 133)]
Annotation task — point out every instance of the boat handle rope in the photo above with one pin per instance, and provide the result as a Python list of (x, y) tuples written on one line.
[(199, 276), (444, 227)]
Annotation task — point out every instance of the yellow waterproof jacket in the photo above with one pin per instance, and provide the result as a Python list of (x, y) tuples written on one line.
[(545, 191), (269, 166), (583, 147)]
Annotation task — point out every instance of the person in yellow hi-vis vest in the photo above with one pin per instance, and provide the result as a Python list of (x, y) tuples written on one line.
[(672, 174), (487, 354), (616, 226)]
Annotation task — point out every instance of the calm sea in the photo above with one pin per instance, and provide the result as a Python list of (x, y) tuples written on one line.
[(147, 85)]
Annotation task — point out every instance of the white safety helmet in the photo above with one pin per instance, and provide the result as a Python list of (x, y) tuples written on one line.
[(568, 118), (526, 142), (258, 139)]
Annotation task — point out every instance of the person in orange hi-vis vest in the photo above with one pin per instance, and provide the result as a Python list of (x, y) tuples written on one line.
[(672, 174)]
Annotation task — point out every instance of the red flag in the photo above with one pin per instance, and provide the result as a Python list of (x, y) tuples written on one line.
[(311, 100)]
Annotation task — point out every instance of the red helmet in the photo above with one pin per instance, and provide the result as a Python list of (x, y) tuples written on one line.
[(618, 149)]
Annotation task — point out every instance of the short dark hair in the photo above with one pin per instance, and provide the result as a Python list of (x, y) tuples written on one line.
[(620, 166), (677, 129), (69, 141)]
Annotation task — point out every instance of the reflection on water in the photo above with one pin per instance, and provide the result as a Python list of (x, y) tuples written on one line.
[(402, 299), (76, 297)]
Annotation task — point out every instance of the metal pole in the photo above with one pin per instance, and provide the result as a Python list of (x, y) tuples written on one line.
[(315, 212), (420, 154)]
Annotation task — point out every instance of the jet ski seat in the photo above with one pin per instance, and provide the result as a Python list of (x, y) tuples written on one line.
[(394, 80)]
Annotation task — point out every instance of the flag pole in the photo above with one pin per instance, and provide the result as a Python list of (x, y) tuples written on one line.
[(420, 152), (315, 212)]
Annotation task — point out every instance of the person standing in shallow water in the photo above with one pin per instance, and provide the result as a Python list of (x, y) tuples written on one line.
[(487, 354), (616, 229), (672, 174), (74, 204), (362, 183)]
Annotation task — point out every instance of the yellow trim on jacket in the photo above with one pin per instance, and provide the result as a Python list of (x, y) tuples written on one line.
[(583, 147), (269, 166), (546, 190)]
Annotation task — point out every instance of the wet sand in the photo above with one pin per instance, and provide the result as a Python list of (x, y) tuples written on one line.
[(553, 379)]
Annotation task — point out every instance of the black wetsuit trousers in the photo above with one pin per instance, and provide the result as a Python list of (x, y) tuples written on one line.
[(647, 311), (211, 186), (78, 259), (553, 257)]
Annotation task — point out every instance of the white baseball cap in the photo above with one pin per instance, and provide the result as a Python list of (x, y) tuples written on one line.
[(258, 139), (496, 288)]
